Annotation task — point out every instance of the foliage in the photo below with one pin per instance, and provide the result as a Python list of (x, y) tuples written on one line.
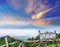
[(2, 41), (15, 45), (10, 40), (33, 45), (31, 38), (58, 35), (37, 38), (26, 44)]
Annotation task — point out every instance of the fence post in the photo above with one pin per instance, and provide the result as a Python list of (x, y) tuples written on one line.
[(6, 42), (21, 44), (45, 45), (56, 44), (56, 41), (39, 39)]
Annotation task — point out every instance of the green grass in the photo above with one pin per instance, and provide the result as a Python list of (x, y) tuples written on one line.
[(10, 40), (53, 45), (15, 45), (59, 45), (2, 42)]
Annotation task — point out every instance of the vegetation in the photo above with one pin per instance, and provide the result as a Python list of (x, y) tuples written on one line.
[(2, 41), (15, 45), (50, 44), (58, 35), (10, 40)]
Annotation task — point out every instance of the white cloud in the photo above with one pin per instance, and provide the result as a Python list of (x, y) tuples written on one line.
[(2, 23), (18, 32)]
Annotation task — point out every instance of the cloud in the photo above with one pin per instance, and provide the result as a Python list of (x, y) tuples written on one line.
[(10, 20), (29, 7), (40, 14), (18, 32), (13, 21), (15, 4), (37, 8), (41, 22), (46, 22), (50, 22)]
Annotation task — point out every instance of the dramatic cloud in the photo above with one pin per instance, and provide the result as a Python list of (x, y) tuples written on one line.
[(40, 14), (36, 8), (11, 20), (33, 10)]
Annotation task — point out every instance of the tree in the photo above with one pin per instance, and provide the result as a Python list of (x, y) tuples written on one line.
[(31, 38), (58, 35), (37, 38)]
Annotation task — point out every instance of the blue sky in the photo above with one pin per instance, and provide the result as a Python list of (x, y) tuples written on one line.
[(30, 14)]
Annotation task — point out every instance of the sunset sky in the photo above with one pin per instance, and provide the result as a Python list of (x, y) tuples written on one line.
[(30, 14)]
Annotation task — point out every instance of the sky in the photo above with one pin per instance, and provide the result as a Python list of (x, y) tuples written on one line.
[(41, 15)]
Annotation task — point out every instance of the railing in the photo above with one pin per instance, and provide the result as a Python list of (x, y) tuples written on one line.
[(7, 44)]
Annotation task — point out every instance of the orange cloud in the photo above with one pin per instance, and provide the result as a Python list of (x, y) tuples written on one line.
[(15, 21), (10, 18), (40, 22), (39, 8), (39, 11), (40, 14), (35, 22)]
